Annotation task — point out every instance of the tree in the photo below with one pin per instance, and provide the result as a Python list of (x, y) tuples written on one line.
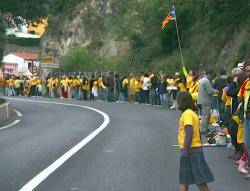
[(15, 12), (2, 36)]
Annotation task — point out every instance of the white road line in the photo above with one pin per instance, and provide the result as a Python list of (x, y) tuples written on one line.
[(10, 125), (19, 114), (34, 182)]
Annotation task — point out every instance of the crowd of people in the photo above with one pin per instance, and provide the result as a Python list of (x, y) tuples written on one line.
[(150, 88), (228, 95)]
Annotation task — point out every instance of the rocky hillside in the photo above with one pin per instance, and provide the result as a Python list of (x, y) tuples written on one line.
[(84, 28), (128, 33)]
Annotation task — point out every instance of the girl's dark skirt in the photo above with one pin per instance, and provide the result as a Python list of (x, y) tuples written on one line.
[(194, 170)]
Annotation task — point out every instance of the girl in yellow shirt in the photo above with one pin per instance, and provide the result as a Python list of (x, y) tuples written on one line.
[(193, 167)]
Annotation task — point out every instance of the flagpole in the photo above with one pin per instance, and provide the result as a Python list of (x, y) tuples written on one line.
[(182, 62)]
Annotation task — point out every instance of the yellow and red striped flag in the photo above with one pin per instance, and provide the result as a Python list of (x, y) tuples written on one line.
[(171, 16)]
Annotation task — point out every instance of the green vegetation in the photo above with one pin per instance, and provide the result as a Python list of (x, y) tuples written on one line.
[(19, 10), (80, 59), (23, 41), (213, 33), (2, 36)]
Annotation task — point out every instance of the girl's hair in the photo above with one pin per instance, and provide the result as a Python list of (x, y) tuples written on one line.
[(185, 101)]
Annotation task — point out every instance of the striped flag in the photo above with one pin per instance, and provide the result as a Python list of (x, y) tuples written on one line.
[(171, 16)]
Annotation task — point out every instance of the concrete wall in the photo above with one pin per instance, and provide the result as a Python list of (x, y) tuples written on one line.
[(5, 111)]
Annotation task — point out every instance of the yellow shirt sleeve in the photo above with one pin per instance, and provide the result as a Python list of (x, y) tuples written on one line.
[(187, 119)]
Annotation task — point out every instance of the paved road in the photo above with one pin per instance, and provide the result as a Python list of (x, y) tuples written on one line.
[(132, 154)]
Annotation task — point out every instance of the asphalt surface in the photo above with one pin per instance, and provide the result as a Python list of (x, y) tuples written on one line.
[(133, 153)]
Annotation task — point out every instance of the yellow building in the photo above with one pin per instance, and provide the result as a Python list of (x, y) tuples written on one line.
[(39, 27)]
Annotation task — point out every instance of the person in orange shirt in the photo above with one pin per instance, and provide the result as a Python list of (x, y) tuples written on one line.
[(10, 86)]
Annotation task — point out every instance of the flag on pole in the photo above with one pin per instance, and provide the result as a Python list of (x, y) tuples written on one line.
[(184, 70), (171, 16)]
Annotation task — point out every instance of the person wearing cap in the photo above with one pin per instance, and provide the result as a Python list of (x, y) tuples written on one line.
[(241, 65)]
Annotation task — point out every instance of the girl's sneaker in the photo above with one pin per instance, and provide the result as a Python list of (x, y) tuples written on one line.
[(242, 167)]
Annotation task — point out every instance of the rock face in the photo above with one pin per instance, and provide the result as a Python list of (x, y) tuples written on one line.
[(87, 27)]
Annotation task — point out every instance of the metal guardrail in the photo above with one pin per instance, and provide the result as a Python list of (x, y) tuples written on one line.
[(5, 110)]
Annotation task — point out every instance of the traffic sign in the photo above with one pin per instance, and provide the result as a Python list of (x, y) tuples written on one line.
[(33, 69), (49, 65)]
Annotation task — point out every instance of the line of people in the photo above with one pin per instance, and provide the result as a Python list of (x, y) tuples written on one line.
[(229, 95), (150, 88)]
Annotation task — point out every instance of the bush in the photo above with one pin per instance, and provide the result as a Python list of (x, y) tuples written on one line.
[(79, 59), (23, 41)]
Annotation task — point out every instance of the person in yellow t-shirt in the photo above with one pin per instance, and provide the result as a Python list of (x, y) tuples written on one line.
[(173, 86), (75, 89), (85, 88), (56, 87), (181, 84), (131, 87), (194, 88), (189, 79), (227, 101), (192, 160), (17, 86), (137, 88), (101, 88), (39, 87), (125, 85), (51, 87), (33, 86), (64, 88), (10, 87)]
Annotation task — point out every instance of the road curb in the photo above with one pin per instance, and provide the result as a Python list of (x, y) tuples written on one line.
[(5, 111)]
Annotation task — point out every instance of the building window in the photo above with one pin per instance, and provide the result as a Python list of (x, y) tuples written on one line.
[(8, 71)]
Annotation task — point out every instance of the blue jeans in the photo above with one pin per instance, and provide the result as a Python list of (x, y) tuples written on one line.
[(110, 94), (153, 96), (121, 97), (101, 93), (164, 100), (247, 133)]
